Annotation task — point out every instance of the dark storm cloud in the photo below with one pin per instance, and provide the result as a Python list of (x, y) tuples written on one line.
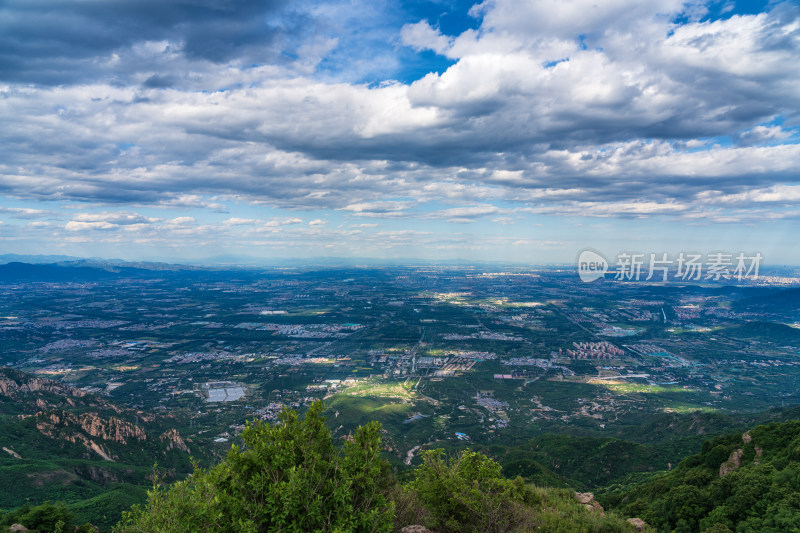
[(159, 82), (52, 41)]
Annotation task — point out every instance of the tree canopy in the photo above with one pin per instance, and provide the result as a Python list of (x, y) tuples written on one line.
[(287, 477)]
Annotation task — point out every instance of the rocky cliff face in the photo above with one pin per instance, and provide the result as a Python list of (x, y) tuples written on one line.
[(30, 394), (49, 419), (109, 429), (99, 435), (732, 463), (89, 429), (735, 459), (174, 441), (70, 442), (14, 383)]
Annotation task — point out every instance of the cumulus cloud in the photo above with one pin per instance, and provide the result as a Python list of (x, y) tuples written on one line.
[(25, 212), (421, 36), (611, 109), (466, 214), (637, 208), (760, 135), (379, 209), (109, 221), (181, 221), (48, 42), (234, 221), (191, 201), (785, 194), (115, 218), (284, 222)]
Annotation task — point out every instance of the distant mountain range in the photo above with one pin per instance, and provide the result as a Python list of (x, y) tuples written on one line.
[(778, 300), (22, 272), (245, 261), (37, 259), (90, 270)]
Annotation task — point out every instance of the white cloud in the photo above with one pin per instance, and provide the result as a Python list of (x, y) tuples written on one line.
[(762, 134), (117, 219), (379, 209), (421, 36), (467, 213), (234, 221), (283, 221), (638, 208), (73, 225), (609, 109), (182, 221), (191, 201), (569, 19), (25, 212), (787, 194)]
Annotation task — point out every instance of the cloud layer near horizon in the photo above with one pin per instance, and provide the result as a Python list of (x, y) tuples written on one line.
[(623, 109)]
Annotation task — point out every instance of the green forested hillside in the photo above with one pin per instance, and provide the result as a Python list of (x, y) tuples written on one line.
[(290, 477), (58, 443), (646, 445), (743, 483), (738, 483), (62, 445)]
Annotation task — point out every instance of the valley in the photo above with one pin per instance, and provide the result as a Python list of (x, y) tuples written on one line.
[(564, 383)]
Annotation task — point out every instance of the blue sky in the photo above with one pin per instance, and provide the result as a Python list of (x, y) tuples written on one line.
[(509, 130)]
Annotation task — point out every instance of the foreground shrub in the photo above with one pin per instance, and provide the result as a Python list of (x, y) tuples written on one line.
[(469, 493), (289, 477)]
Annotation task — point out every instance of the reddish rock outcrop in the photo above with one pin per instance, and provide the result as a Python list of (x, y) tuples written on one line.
[(174, 440), (110, 429), (415, 529), (638, 523), (732, 463), (587, 499), (11, 385)]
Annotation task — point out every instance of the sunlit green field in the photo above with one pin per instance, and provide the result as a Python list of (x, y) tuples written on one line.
[(377, 388)]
